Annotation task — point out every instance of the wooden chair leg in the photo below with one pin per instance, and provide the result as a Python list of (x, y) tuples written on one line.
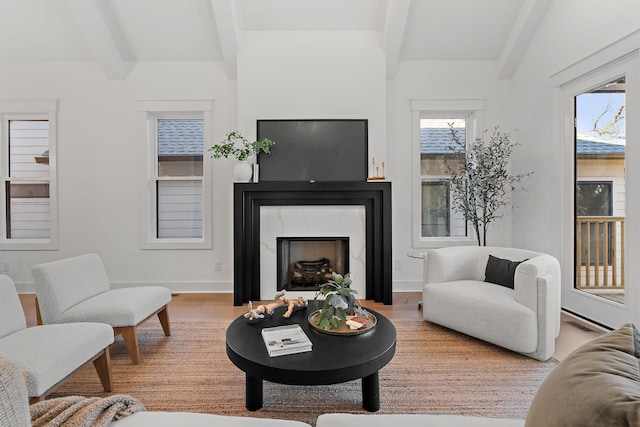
[(163, 315), (102, 364), (130, 336), (37, 399), (38, 314)]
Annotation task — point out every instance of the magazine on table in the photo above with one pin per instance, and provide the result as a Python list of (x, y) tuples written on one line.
[(288, 339)]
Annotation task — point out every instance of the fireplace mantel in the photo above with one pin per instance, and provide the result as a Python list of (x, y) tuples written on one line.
[(249, 197)]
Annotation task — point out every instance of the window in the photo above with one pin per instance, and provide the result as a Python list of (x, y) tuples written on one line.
[(435, 153), (438, 152), (28, 193), (594, 200), (176, 189), (179, 181)]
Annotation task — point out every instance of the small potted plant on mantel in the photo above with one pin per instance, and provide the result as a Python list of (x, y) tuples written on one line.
[(239, 147)]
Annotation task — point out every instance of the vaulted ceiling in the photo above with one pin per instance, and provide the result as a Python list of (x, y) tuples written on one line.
[(118, 33)]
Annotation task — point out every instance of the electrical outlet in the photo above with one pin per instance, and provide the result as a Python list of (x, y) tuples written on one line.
[(6, 267), (398, 264), (217, 265)]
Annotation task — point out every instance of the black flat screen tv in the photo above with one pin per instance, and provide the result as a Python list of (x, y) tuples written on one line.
[(314, 150)]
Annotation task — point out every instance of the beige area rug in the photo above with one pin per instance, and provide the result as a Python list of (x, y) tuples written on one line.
[(434, 370)]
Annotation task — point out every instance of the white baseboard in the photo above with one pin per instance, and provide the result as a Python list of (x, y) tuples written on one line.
[(175, 287), (407, 286), (213, 287)]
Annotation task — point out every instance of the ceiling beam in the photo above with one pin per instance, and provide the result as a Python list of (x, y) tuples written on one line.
[(394, 32), (227, 26), (103, 36), (522, 32)]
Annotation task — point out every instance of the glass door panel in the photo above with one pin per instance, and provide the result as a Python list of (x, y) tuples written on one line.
[(600, 186)]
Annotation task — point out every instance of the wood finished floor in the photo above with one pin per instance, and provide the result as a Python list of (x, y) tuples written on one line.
[(573, 331)]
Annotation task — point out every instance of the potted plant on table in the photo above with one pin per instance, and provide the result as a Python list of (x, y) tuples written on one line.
[(236, 145), (339, 304)]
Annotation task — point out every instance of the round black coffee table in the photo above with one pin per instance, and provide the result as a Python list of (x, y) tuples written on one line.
[(334, 359)]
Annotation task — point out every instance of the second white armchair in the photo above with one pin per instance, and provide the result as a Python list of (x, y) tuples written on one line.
[(78, 290), (522, 313)]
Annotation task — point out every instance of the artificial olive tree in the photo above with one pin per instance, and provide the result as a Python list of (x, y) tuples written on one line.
[(480, 180)]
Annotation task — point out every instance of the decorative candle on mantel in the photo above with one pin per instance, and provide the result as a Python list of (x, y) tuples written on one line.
[(376, 171)]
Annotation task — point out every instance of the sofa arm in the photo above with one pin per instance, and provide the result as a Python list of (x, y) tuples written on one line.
[(527, 275), (549, 310), (537, 285)]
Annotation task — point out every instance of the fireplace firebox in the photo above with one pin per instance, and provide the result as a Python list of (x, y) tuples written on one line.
[(304, 263)]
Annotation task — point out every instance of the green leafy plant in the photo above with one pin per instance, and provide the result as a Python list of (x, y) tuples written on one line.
[(239, 147), (338, 300), (480, 179)]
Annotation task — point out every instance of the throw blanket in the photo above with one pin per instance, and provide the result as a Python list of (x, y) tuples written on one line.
[(77, 411)]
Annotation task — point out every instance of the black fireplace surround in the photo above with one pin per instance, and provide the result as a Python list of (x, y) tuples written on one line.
[(249, 197)]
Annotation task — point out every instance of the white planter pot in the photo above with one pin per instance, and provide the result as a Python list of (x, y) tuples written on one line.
[(242, 171)]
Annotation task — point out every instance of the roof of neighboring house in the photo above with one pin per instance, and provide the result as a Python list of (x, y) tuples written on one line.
[(598, 147), (180, 137), (436, 141)]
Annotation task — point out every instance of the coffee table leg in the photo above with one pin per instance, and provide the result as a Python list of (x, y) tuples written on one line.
[(253, 393), (371, 393)]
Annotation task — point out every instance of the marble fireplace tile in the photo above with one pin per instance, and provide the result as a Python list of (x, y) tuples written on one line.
[(311, 221)]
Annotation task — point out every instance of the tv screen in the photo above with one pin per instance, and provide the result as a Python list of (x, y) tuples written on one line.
[(314, 150)]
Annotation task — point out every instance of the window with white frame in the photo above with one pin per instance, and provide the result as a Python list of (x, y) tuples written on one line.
[(28, 141), (438, 153), (177, 189), (435, 154)]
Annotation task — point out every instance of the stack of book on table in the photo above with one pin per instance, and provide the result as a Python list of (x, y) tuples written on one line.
[(288, 339)]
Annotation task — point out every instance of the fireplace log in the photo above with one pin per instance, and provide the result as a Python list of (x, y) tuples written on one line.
[(311, 272)]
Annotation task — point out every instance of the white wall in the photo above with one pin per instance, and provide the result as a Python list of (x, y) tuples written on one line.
[(575, 38), (572, 31), (98, 153), (296, 75), (314, 75), (280, 75), (436, 81)]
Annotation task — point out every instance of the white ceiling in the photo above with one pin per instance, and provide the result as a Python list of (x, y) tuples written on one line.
[(119, 32)]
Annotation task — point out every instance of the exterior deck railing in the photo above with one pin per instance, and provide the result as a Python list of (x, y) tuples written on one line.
[(600, 253)]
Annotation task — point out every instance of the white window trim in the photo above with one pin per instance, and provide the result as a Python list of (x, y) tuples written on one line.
[(470, 109), (31, 110), (149, 111)]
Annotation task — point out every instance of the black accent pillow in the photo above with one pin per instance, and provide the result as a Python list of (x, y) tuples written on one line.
[(501, 271)]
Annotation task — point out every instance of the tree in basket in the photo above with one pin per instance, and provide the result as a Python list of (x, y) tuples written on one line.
[(480, 179), (338, 300)]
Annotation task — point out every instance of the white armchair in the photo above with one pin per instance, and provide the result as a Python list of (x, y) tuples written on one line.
[(525, 319), (78, 290), (49, 354)]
